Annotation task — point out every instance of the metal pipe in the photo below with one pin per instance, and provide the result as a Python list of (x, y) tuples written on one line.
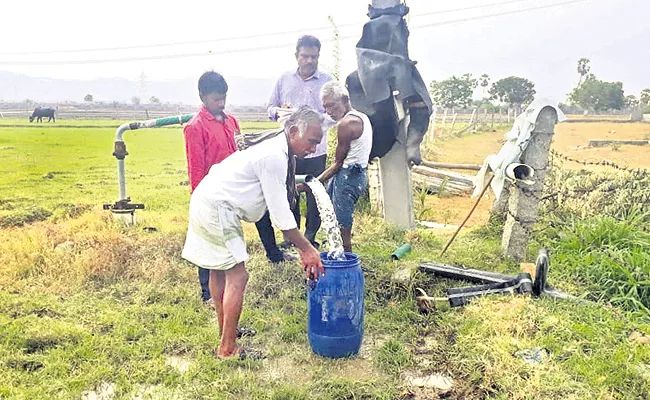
[(466, 274), (120, 179), (520, 284), (120, 131), (120, 147), (304, 178), (541, 287)]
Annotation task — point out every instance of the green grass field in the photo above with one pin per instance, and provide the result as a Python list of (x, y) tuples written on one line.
[(87, 304)]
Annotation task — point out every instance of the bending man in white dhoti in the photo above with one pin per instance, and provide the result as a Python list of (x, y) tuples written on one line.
[(243, 187)]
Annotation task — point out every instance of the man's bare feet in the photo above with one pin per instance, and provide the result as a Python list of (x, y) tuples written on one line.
[(229, 355), (242, 353)]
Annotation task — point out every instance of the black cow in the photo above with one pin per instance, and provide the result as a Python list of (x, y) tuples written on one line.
[(39, 113)]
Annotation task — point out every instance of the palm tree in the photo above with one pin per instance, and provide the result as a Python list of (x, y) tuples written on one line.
[(485, 82), (583, 68)]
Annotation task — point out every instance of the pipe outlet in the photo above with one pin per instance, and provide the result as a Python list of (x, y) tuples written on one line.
[(520, 172)]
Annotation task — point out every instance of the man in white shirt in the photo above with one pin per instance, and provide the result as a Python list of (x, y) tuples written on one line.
[(243, 187)]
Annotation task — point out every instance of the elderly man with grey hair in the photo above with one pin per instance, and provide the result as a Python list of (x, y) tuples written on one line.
[(242, 187), (347, 175)]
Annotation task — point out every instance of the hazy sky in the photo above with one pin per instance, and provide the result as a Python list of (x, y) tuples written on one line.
[(542, 45)]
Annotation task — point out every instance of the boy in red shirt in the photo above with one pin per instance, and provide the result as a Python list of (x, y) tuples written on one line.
[(210, 134), (209, 139)]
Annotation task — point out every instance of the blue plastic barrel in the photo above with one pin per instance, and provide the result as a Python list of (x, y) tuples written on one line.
[(335, 308)]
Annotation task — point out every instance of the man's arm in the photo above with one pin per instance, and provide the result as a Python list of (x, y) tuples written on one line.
[(195, 152), (348, 129)]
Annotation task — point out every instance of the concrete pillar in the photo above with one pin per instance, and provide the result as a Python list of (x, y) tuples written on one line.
[(395, 175), (524, 201)]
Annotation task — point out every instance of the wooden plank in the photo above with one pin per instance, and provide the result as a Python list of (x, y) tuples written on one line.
[(432, 164), (604, 142), (451, 182), (433, 185), (438, 173)]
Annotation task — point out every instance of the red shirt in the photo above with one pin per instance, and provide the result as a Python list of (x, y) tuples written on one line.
[(208, 142)]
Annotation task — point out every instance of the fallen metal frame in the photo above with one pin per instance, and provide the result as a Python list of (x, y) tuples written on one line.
[(496, 283)]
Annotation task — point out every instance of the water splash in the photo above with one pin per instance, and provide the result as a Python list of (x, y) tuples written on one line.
[(328, 220)]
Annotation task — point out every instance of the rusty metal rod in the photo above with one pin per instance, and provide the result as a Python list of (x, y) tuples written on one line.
[(487, 185)]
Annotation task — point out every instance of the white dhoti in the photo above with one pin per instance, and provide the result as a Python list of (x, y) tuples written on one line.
[(215, 239)]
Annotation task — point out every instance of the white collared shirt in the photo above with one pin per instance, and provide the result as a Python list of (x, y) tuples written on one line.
[(291, 89), (252, 181)]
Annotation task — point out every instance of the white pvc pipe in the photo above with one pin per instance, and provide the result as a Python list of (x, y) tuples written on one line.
[(151, 123), (520, 172), (120, 179), (120, 163)]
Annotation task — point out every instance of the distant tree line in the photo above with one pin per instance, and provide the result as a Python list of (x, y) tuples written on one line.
[(589, 94)]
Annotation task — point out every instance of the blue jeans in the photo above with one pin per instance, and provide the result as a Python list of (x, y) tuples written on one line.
[(344, 189)]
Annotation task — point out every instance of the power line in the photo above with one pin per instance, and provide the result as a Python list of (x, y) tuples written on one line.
[(503, 3), (449, 22), (158, 57), (297, 31), (276, 46)]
